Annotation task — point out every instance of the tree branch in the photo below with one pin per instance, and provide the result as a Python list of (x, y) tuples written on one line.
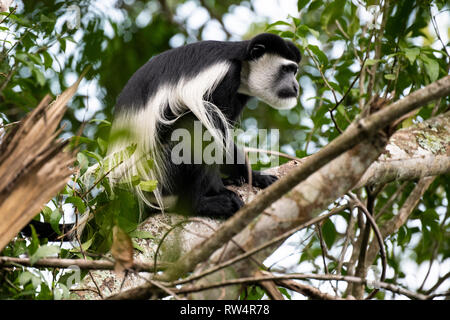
[(418, 151), (81, 263), (357, 131)]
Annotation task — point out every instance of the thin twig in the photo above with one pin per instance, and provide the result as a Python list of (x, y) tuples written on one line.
[(323, 246), (379, 239), (348, 235)]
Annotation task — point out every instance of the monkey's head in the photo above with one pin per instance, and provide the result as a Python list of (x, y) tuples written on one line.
[(269, 72)]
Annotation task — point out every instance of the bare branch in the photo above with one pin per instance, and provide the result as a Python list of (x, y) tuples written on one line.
[(306, 290), (81, 263)]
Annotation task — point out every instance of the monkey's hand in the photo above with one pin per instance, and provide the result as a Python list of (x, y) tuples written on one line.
[(261, 180)]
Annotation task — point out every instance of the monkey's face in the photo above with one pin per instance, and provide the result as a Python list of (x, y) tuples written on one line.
[(272, 79)]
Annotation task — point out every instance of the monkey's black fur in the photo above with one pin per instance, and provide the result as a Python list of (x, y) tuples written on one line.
[(199, 187)]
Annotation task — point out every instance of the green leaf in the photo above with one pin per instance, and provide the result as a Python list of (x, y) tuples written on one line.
[(341, 110), (26, 277), (39, 76), (77, 202), (411, 54), (315, 33), (253, 293), (80, 139), (319, 54), (22, 21), (389, 76), (94, 155), (303, 30), (431, 67), (83, 161), (297, 21), (284, 292), (287, 34), (84, 246), (301, 4), (370, 62), (35, 58), (22, 57), (103, 145), (42, 252), (137, 246), (34, 244), (100, 121), (329, 233), (47, 212), (148, 186), (278, 23), (55, 217), (48, 60), (315, 5), (62, 43), (45, 19), (130, 150)]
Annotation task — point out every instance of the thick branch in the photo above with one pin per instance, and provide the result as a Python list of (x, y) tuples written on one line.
[(353, 135), (412, 153)]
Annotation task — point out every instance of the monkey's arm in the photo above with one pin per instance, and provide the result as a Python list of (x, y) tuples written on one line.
[(236, 172)]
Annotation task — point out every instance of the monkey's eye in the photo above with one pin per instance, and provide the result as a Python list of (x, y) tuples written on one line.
[(289, 68)]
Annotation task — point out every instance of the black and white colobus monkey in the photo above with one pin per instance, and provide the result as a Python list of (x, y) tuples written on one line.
[(210, 82)]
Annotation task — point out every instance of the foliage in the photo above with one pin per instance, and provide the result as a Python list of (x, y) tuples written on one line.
[(346, 61)]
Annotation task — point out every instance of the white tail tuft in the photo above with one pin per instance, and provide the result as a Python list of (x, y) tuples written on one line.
[(187, 95)]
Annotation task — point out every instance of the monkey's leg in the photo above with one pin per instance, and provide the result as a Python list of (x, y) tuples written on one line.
[(208, 195)]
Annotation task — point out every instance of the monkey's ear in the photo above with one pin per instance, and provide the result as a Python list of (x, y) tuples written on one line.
[(257, 51)]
